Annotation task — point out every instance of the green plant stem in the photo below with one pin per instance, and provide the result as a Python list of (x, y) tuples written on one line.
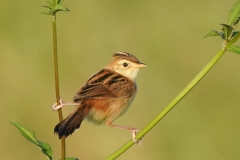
[(233, 40), (178, 98), (57, 80)]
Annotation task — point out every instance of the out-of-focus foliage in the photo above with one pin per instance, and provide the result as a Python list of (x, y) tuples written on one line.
[(54, 8)]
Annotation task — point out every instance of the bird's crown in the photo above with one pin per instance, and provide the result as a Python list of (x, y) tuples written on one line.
[(125, 55)]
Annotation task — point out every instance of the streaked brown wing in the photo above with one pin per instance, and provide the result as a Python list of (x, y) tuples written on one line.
[(106, 84)]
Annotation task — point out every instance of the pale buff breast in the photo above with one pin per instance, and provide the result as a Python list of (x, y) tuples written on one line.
[(114, 108)]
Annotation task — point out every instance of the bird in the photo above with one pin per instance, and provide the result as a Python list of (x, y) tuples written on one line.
[(105, 96)]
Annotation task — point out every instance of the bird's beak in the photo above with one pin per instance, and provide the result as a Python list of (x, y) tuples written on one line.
[(140, 65)]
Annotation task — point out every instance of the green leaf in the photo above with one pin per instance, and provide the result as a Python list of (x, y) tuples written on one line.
[(30, 136), (50, 2), (48, 6), (46, 149), (234, 49), (234, 39), (60, 1), (234, 14), (227, 30), (47, 12), (54, 8), (235, 33), (61, 8), (215, 33)]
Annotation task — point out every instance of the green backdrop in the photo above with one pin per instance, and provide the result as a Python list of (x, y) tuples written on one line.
[(166, 35)]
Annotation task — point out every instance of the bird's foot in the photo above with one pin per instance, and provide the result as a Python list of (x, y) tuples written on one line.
[(56, 106), (134, 133)]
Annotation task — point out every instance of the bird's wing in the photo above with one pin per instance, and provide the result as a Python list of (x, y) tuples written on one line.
[(106, 84)]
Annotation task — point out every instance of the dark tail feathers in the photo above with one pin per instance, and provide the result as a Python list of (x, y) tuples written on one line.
[(69, 124)]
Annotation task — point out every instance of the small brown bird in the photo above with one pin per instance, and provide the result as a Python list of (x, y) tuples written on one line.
[(105, 96)]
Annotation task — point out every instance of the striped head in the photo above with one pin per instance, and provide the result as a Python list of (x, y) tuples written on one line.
[(125, 64)]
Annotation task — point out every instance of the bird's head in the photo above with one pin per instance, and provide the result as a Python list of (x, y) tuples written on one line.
[(125, 64)]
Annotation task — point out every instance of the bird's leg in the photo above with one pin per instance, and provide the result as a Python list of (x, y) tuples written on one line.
[(133, 130), (62, 104)]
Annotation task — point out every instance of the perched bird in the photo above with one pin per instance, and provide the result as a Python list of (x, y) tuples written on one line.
[(105, 96)]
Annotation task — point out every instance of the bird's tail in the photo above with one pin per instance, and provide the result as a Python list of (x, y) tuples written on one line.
[(71, 122)]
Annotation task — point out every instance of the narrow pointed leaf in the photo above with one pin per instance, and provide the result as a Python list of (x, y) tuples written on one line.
[(60, 2), (48, 6), (30, 136), (50, 2), (47, 12), (61, 8), (234, 14), (227, 30), (214, 33), (234, 49), (235, 33), (234, 39)]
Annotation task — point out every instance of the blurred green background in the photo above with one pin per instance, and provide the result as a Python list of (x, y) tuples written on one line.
[(166, 35)]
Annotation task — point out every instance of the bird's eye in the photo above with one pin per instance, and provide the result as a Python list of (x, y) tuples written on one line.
[(125, 64)]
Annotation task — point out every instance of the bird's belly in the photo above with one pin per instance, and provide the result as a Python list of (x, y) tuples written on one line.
[(108, 112)]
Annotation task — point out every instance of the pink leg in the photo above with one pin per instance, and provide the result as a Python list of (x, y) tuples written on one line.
[(133, 130), (62, 104)]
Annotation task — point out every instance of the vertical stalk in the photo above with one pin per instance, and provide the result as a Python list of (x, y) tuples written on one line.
[(57, 80)]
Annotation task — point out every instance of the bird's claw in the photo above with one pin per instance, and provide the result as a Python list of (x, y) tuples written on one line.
[(134, 133), (56, 107)]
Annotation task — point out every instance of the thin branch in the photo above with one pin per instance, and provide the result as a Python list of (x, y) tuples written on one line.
[(175, 101), (63, 146)]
